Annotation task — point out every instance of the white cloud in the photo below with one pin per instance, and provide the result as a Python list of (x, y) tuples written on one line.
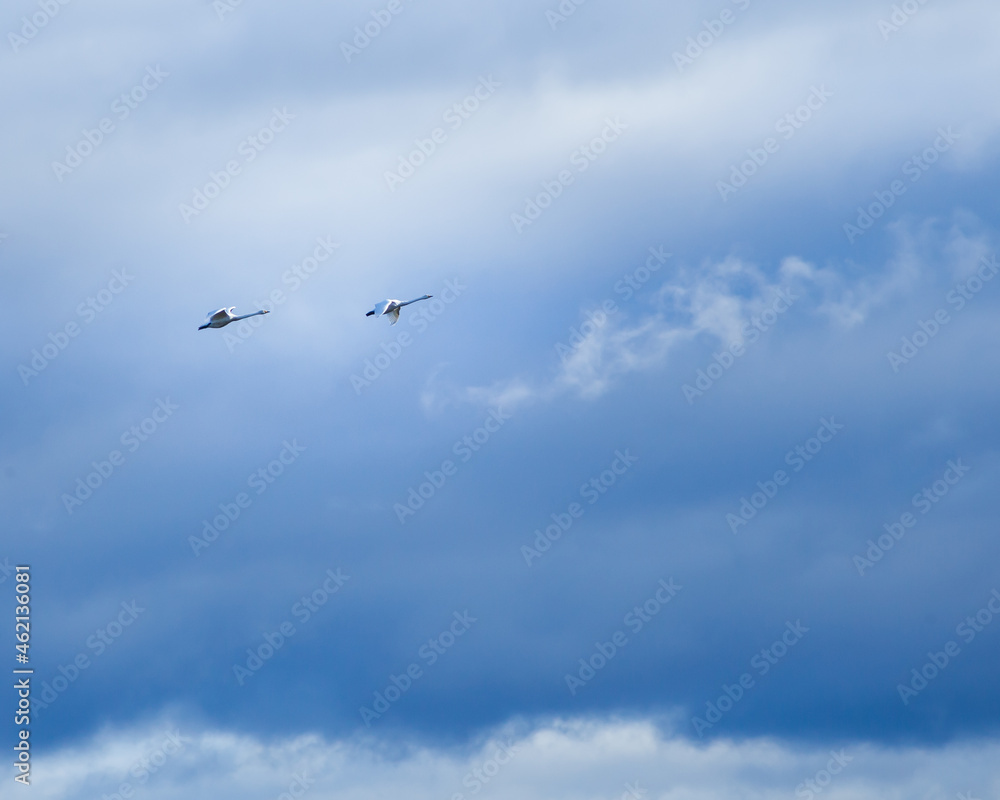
[(573, 759), (718, 300)]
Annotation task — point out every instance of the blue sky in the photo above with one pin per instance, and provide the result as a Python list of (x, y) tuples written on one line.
[(686, 463)]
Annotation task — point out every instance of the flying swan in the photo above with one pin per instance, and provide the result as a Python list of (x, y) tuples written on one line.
[(222, 317), (391, 308)]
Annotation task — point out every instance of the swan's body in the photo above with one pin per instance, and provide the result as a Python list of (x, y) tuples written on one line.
[(390, 308), (222, 317)]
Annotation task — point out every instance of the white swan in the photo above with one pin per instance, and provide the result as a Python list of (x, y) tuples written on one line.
[(222, 317), (391, 308)]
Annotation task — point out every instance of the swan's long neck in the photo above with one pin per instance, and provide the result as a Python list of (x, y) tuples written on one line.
[(244, 316)]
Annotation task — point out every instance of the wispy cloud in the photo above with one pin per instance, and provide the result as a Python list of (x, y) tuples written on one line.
[(717, 301)]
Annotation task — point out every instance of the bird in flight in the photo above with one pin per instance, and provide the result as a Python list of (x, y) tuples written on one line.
[(222, 317), (390, 308)]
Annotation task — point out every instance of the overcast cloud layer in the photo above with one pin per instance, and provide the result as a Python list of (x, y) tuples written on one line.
[(682, 479)]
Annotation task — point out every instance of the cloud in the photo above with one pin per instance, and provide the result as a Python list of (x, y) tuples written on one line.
[(722, 302), (558, 759), (716, 300)]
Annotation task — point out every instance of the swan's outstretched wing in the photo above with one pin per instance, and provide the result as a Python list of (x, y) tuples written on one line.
[(394, 316), (380, 308), (221, 314)]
